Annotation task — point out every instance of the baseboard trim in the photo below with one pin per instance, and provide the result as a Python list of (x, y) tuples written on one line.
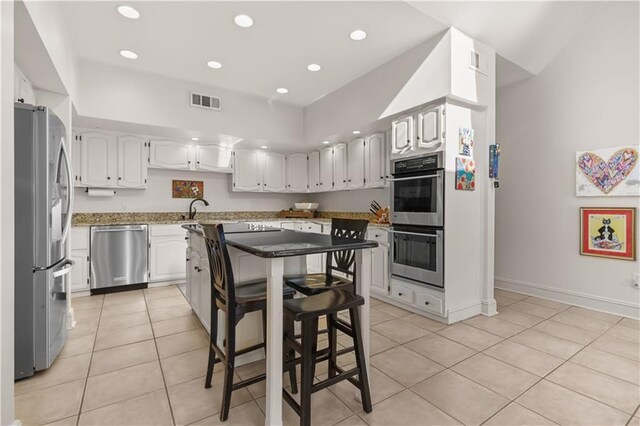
[(584, 300)]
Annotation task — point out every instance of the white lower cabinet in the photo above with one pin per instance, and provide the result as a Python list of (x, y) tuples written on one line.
[(380, 261), (80, 255), (421, 297), (315, 262), (166, 250)]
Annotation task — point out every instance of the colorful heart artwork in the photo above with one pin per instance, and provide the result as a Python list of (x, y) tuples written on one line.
[(597, 176)]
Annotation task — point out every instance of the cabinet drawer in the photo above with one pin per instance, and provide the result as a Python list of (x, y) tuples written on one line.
[(402, 293), (166, 230), (430, 302), (379, 235)]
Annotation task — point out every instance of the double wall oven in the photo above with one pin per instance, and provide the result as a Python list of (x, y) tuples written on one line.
[(417, 212)]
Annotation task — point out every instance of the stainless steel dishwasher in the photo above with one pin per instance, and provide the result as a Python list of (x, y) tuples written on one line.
[(119, 256)]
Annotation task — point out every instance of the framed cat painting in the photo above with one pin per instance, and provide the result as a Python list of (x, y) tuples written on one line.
[(608, 232)]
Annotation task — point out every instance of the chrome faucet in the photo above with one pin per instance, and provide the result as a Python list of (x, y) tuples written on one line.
[(192, 210)]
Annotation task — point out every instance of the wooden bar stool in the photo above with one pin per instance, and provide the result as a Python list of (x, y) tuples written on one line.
[(338, 261), (235, 301), (307, 310)]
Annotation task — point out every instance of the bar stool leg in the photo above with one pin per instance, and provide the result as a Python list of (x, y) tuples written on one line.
[(332, 334), (213, 340), (363, 377), (289, 327), (230, 347), (309, 345)]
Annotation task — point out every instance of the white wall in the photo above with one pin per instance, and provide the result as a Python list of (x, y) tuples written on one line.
[(6, 214), (124, 95), (157, 196), (358, 200), (587, 98)]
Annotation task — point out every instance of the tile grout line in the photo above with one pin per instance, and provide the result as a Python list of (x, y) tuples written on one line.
[(155, 344), (86, 382)]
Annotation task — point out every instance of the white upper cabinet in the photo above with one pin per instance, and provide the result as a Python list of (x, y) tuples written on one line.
[(355, 169), (340, 166), (99, 159), (374, 169), (297, 177), (314, 171), (402, 135), (247, 170), (213, 158), (326, 169), (22, 88), (274, 172), (167, 154), (132, 162), (430, 128), (76, 159)]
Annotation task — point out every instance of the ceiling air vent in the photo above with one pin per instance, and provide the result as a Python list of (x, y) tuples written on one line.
[(205, 101)]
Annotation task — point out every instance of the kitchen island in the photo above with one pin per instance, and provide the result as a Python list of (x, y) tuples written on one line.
[(277, 253)]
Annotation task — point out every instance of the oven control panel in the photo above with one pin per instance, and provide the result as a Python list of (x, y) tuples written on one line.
[(418, 164)]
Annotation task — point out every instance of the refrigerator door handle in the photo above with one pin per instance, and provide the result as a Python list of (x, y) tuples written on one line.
[(67, 226), (67, 266)]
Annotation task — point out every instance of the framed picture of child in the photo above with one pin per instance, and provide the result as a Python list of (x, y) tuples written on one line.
[(608, 232)]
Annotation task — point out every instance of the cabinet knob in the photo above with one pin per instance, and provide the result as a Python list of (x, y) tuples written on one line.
[(108, 177), (119, 178), (426, 303), (399, 294), (418, 137)]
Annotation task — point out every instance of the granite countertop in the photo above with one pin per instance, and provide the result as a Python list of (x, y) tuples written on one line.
[(177, 218)]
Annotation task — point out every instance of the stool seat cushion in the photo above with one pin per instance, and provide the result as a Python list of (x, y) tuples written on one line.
[(255, 291), (327, 302), (316, 283)]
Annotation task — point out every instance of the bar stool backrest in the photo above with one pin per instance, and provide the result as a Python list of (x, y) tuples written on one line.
[(222, 282), (344, 261)]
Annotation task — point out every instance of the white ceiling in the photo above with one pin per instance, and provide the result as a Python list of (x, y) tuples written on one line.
[(176, 39)]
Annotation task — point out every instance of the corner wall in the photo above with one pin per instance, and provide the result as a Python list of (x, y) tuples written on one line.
[(586, 98)]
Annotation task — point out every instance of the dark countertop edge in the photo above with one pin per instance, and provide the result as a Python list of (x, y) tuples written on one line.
[(299, 252)]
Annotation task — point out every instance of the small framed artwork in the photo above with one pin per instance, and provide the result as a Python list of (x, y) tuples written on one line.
[(608, 232), (187, 189), (465, 142), (465, 174)]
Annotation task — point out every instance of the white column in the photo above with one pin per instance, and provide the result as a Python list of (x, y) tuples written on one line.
[(275, 269)]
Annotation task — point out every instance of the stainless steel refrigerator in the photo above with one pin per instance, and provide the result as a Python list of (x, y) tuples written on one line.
[(43, 204)]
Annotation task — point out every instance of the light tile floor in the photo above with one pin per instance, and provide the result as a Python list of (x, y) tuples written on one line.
[(139, 358)]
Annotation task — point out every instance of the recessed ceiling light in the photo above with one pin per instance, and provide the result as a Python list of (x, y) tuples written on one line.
[(129, 54), (358, 35), (243, 21), (356, 132), (195, 139), (264, 147), (214, 64), (326, 142), (282, 90), (128, 12), (314, 67)]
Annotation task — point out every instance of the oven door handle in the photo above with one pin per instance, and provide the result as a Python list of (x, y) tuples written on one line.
[(415, 233), (437, 175)]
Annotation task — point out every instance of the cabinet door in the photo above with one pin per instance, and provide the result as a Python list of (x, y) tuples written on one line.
[(76, 160), (340, 166), (326, 169), (297, 178), (166, 154), (247, 170), (205, 295), (213, 157), (430, 128), (132, 162), (402, 136), (165, 258), (315, 264), (99, 159), (80, 273), (314, 171), (355, 160), (274, 172), (194, 282), (379, 273), (374, 161)]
